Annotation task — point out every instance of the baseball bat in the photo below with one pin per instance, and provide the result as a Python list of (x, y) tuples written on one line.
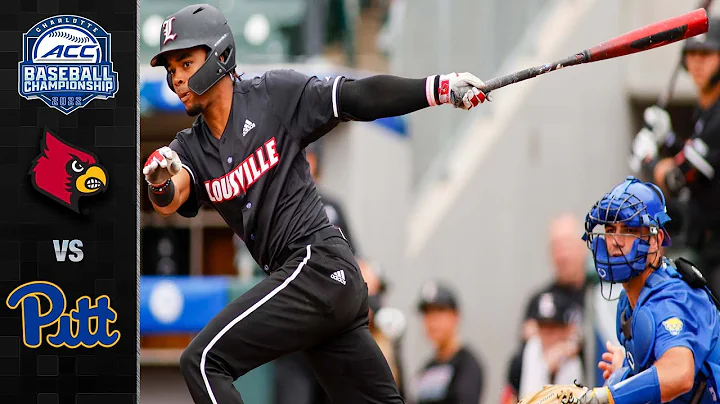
[(667, 94), (649, 37)]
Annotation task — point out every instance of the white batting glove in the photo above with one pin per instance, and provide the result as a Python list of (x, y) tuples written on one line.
[(659, 122), (162, 164), (644, 147), (462, 90)]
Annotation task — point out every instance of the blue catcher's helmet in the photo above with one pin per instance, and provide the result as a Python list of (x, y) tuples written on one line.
[(635, 204)]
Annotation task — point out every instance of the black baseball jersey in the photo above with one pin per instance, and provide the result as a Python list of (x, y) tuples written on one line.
[(457, 381), (256, 175), (699, 161)]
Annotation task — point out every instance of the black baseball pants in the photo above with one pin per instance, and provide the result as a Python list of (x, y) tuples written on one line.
[(316, 302)]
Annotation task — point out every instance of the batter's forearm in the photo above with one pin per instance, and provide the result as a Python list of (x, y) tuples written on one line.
[(162, 196), (383, 96), (167, 199)]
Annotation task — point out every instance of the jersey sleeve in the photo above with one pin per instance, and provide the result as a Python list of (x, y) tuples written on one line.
[(467, 385), (192, 205), (307, 106), (684, 320), (699, 159)]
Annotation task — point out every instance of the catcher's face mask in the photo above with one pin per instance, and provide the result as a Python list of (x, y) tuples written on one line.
[(619, 229)]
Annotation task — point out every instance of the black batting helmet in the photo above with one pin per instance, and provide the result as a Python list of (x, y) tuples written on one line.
[(199, 25)]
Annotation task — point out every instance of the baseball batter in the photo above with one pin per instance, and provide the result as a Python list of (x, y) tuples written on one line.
[(244, 156)]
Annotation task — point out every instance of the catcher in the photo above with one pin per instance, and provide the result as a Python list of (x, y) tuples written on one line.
[(667, 318)]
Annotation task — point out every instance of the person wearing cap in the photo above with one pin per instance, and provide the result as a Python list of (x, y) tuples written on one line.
[(454, 375), (552, 354), (691, 164), (569, 261)]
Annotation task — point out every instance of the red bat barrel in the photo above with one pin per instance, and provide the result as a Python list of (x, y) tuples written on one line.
[(651, 36)]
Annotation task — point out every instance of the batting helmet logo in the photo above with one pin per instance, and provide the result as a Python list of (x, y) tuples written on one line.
[(168, 30)]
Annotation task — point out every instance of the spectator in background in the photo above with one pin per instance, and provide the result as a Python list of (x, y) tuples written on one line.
[(569, 258), (552, 354), (454, 375)]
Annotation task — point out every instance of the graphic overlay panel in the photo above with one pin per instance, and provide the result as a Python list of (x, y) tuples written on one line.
[(68, 216)]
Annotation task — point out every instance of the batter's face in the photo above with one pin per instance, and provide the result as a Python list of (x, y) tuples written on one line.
[(182, 64), (440, 324), (702, 65)]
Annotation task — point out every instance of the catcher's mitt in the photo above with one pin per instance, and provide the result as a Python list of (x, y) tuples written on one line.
[(564, 394)]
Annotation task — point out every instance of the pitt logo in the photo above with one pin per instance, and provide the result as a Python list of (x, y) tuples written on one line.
[(167, 30), (87, 325), (244, 175), (673, 325), (66, 63)]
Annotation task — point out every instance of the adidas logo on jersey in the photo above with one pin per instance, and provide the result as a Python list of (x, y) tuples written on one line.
[(339, 276), (248, 127)]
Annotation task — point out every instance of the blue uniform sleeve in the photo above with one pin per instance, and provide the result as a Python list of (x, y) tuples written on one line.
[(191, 207), (307, 106), (684, 319)]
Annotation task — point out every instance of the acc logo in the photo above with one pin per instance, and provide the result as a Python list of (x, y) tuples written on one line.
[(66, 173), (673, 325), (66, 63), (87, 325)]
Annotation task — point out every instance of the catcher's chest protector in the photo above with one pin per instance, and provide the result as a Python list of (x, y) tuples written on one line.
[(637, 332)]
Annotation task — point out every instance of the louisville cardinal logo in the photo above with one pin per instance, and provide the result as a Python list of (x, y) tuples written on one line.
[(66, 173)]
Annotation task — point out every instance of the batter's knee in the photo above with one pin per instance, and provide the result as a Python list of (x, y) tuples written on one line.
[(190, 360)]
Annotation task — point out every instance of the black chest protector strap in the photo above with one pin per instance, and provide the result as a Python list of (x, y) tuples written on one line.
[(694, 277), (626, 325)]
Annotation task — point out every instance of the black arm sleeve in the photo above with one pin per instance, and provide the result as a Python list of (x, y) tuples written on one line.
[(382, 96)]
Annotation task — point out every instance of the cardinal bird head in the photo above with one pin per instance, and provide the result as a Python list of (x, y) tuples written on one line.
[(65, 173)]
